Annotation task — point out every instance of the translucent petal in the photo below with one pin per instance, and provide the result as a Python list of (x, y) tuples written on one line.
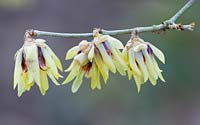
[(139, 81), (140, 47), (74, 72), (18, 69), (98, 80), (143, 69), (31, 79), (77, 82), (101, 66), (21, 87), (158, 53), (50, 63), (72, 52), (28, 86), (51, 76), (55, 58), (125, 55), (157, 69), (25, 79), (115, 42), (81, 59), (132, 62), (44, 82), (31, 57), (106, 58), (42, 44), (91, 54), (71, 66), (150, 66), (130, 73), (94, 76), (118, 60), (40, 41), (153, 80)]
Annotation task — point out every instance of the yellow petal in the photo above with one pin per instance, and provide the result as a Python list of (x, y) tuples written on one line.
[(130, 73), (40, 41), (118, 60), (115, 42), (25, 80), (157, 69), (44, 82), (101, 66), (51, 76), (98, 80), (18, 69), (119, 67), (30, 76), (31, 57), (106, 58), (139, 81), (152, 80), (81, 59), (55, 58), (77, 82), (140, 60), (125, 55), (21, 87), (140, 47), (50, 63), (158, 53), (42, 44), (72, 52), (28, 86), (150, 67), (91, 54), (74, 72), (71, 66), (132, 62), (94, 76)]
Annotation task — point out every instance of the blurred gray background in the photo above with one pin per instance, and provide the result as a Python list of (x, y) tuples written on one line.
[(175, 102)]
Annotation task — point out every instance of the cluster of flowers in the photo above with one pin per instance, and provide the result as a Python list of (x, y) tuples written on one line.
[(35, 62)]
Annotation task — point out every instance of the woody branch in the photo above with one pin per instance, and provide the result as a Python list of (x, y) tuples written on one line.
[(166, 25)]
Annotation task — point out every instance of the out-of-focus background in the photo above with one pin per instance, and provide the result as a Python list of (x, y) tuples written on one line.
[(176, 102)]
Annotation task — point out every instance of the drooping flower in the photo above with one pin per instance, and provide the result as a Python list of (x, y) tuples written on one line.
[(140, 58), (95, 58), (33, 63)]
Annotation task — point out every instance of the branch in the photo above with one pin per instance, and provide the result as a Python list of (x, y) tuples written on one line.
[(181, 11), (167, 25)]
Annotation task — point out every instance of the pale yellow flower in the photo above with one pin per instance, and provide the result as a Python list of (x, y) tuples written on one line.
[(92, 59), (139, 56), (33, 63)]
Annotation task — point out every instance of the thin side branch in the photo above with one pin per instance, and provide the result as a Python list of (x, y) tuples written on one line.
[(181, 11), (167, 25)]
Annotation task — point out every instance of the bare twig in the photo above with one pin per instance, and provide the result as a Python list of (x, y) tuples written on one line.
[(167, 25)]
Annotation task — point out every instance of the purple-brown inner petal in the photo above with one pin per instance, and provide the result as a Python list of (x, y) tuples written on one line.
[(41, 60), (87, 67), (23, 64), (107, 49), (149, 50)]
